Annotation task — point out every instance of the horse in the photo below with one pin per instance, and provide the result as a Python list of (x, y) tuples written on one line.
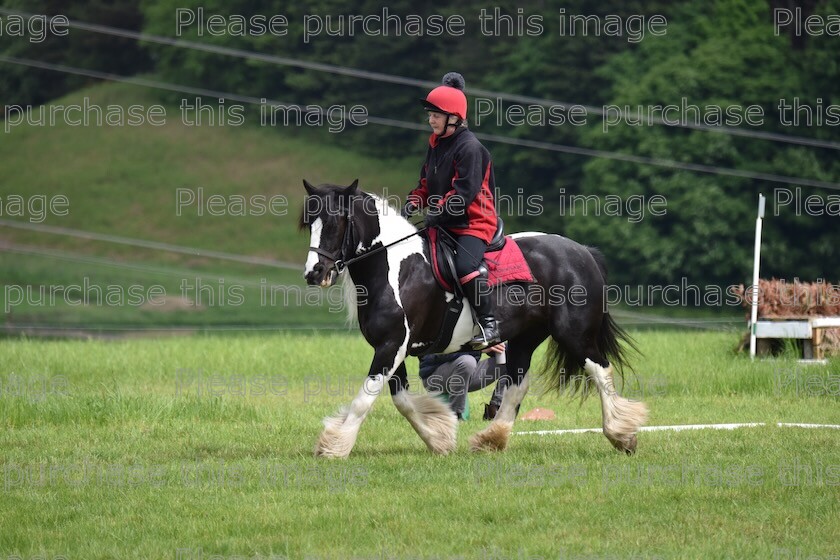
[(399, 305)]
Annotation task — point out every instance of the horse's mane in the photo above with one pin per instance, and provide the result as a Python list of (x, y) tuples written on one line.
[(390, 216), (392, 227), (383, 205), (351, 301)]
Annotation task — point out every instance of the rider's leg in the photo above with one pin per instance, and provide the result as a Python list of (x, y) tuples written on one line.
[(467, 261)]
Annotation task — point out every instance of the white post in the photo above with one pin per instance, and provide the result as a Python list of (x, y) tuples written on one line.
[(756, 260)]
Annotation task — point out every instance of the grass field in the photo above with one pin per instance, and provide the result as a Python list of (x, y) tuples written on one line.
[(98, 295), (201, 447)]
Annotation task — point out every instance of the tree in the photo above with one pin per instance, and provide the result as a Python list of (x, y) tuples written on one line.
[(728, 57), (23, 85)]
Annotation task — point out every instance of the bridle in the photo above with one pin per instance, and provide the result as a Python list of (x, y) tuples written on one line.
[(340, 260)]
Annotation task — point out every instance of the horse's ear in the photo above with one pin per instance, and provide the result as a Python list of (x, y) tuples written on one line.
[(309, 188), (353, 188)]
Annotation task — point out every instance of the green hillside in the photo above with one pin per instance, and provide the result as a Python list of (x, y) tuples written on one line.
[(124, 181)]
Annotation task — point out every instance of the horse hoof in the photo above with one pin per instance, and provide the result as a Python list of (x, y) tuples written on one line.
[(328, 454), (493, 438), (627, 444), (333, 444), (321, 451)]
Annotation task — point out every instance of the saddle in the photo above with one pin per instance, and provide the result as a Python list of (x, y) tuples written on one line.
[(503, 262)]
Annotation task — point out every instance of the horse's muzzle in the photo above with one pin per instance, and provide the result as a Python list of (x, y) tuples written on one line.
[(322, 276)]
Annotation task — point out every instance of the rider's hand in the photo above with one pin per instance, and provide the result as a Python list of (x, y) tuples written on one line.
[(432, 219)]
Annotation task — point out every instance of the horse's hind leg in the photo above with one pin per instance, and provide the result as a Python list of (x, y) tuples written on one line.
[(621, 417), (578, 348), (430, 417), (495, 436)]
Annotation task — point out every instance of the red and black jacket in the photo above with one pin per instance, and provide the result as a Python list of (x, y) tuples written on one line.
[(459, 165)]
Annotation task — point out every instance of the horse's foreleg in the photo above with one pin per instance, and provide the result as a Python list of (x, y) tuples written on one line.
[(341, 430), (622, 417), (430, 417)]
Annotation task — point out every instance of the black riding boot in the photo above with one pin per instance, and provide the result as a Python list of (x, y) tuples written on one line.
[(483, 306)]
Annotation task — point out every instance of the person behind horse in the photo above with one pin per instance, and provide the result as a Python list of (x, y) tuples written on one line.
[(464, 372), (456, 185)]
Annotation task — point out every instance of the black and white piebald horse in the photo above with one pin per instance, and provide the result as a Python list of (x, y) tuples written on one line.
[(403, 305)]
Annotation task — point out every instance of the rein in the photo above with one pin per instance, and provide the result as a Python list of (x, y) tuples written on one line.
[(340, 265)]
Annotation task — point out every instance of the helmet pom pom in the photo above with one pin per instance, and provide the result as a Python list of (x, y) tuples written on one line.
[(454, 79)]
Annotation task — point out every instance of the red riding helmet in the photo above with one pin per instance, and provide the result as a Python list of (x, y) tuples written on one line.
[(448, 98)]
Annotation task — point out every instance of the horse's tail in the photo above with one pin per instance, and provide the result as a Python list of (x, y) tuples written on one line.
[(613, 343), (600, 260), (616, 344)]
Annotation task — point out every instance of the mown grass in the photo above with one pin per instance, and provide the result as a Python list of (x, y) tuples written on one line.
[(102, 295), (139, 448)]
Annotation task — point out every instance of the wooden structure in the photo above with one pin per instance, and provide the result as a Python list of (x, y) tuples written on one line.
[(810, 330)]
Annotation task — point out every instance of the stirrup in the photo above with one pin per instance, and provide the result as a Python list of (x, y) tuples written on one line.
[(481, 341)]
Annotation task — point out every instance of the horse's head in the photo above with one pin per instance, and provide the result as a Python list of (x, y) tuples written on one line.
[(329, 212), (345, 222)]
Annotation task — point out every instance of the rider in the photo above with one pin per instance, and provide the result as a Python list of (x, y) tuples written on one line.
[(457, 184)]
